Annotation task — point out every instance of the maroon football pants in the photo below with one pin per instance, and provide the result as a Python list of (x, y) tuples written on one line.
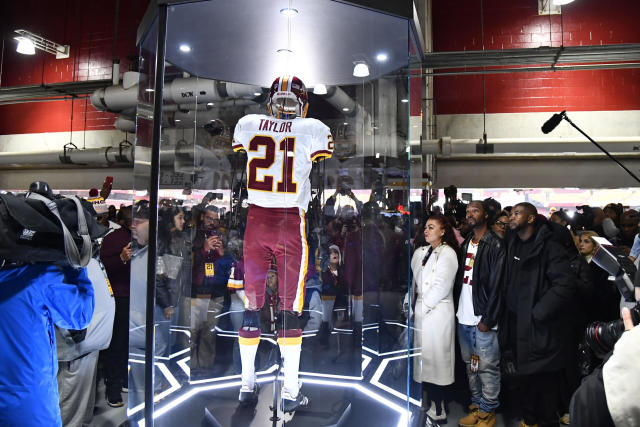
[(279, 233)]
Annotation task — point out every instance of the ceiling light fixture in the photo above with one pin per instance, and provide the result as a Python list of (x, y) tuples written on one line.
[(381, 57), (257, 93), (562, 2), (28, 42), (405, 100), (361, 69), (209, 104), (289, 12), (345, 109), (320, 89), (149, 90), (25, 46), (185, 48)]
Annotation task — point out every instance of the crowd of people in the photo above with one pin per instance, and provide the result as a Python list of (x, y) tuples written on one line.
[(507, 293), (517, 290)]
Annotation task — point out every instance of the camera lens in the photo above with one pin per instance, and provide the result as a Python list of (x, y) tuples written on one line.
[(602, 336)]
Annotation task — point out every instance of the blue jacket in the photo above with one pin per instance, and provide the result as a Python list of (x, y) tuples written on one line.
[(33, 299)]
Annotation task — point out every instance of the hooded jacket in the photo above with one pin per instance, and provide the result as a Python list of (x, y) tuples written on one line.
[(34, 298), (545, 290), (487, 277)]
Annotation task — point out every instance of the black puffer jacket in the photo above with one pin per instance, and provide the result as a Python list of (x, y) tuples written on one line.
[(545, 291), (488, 268)]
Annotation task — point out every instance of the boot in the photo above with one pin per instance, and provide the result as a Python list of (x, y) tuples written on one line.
[(472, 418), (486, 419)]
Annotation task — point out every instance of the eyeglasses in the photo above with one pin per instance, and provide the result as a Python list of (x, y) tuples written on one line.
[(501, 224)]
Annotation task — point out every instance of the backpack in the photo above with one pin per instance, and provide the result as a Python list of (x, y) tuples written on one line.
[(34, 228)]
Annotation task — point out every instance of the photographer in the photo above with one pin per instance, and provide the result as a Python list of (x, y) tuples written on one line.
[(608, 397), (208, 288)]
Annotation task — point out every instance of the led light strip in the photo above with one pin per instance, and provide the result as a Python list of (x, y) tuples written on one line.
[(175, 385), (387, 353), (365, 362), (375, 380), (183, 364), (269, 370), (402, 421)]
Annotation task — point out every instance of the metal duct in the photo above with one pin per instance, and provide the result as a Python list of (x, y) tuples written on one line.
[(193, 90), (105, 156), (125, 124), (446, 146), (340, 100), (115, 98)]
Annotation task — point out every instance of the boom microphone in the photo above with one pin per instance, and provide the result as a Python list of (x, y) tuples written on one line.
[(554, 121)]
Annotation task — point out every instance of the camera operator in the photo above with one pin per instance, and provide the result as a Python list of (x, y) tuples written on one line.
[(34, 298), (609, 396)]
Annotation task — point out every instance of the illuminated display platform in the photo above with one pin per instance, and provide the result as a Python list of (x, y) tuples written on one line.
[(205, 67)]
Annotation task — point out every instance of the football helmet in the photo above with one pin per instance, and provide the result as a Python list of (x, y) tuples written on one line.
[(288, 98)]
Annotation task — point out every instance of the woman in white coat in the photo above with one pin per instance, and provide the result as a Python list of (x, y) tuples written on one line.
[(434, 269)]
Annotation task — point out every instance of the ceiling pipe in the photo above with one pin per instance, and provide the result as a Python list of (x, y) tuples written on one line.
[(97, 157)]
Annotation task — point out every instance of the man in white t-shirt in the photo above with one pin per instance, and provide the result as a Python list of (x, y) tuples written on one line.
[(477, 290)]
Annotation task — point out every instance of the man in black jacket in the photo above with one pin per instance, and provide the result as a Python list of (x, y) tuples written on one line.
[(534, 328), (477, 290)]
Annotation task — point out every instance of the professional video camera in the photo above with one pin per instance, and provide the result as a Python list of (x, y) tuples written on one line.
[(453, 205), (583, 218), (602, 336)]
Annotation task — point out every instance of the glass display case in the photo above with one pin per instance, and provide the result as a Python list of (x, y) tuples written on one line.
[(275, 248)]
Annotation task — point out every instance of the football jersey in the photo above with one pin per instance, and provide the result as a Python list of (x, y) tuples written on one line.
[(280, 154)]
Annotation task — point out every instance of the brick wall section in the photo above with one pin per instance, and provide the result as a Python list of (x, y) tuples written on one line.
[(516, 24), (88, 26)]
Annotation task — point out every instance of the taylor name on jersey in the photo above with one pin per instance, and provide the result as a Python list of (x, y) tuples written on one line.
[(280, 156)]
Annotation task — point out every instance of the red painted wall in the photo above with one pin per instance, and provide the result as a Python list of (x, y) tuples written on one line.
[(88, 26), (516, 24)]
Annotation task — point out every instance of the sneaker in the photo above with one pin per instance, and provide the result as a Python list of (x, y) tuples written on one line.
[(486, 419), (125, 390), (471, 419), (247, 395), (114, 398), (292, 405)]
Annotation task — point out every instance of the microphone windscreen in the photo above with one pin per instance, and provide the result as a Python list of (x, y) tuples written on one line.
[(551, 124)]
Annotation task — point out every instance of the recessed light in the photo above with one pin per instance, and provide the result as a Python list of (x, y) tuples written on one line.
[(209, 104), (345, 109), (381, 57), (289, 12), (176, 120), (320, 89), (257, 93), (405, 100), (360, 69), (185, 48), (149, 90), (345, 123)]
